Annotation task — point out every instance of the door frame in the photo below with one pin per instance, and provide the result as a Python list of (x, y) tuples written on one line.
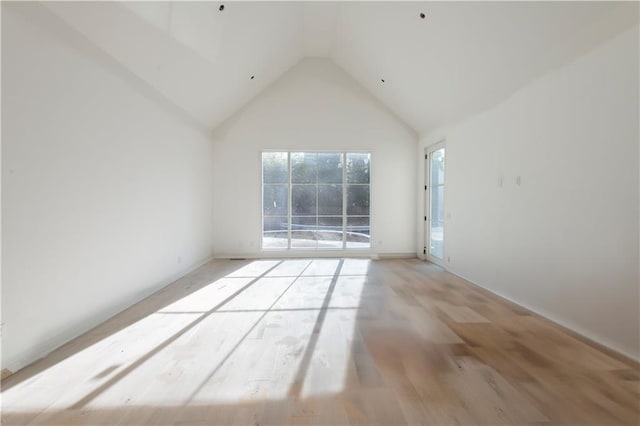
[(428, 151)]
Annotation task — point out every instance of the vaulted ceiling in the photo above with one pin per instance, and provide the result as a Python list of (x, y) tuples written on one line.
[(430, 62)]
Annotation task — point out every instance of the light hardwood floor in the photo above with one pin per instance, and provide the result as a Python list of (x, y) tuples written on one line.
[(325, 341)]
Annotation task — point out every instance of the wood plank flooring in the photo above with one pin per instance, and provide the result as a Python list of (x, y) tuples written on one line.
[(324, 342)]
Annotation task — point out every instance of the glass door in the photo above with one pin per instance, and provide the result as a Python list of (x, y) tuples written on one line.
[(435, 204)]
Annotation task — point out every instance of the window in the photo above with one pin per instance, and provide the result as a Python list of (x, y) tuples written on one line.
[(316, 200)]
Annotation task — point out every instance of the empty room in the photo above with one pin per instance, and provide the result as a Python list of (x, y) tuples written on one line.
[(320, 213)]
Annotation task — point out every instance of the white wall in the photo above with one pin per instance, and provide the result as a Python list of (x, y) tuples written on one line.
[(314, 106), (565, 242), (103, 187)]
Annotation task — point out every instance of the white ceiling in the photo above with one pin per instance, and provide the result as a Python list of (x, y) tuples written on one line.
[(463, 57)]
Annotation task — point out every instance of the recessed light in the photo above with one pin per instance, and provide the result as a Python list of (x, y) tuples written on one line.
[(221, 8), (422, 15)]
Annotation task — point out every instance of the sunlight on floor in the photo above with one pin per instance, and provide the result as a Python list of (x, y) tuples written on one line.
[(268, 330)]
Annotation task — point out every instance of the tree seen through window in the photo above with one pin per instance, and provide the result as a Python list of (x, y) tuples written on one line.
[(316, 200)]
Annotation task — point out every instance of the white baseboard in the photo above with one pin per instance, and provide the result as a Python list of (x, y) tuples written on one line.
[(184, 272), (288, 254), (406, 255), (47, 346), (584, 334)]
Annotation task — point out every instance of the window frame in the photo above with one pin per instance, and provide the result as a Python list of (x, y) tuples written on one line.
[(344, 216)]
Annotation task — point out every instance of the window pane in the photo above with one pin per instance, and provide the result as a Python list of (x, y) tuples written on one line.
[(274, 232), (274, 167), (303, 231), (358, 168), (436, 200), (436, 238), (329, 167), (437, 167), (274, 202), (330, 200), (303, 200), (437, 203), (303, 167), (330, 232), (358, 232), (358, 200)]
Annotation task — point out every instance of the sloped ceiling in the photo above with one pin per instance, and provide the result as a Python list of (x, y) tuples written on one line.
[(211, 58)]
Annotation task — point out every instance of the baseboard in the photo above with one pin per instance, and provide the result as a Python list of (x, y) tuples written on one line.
[(574, 331), (276, 254), (288, 254), (52, 344), (190, 269), (406, 255), (5, 373)]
